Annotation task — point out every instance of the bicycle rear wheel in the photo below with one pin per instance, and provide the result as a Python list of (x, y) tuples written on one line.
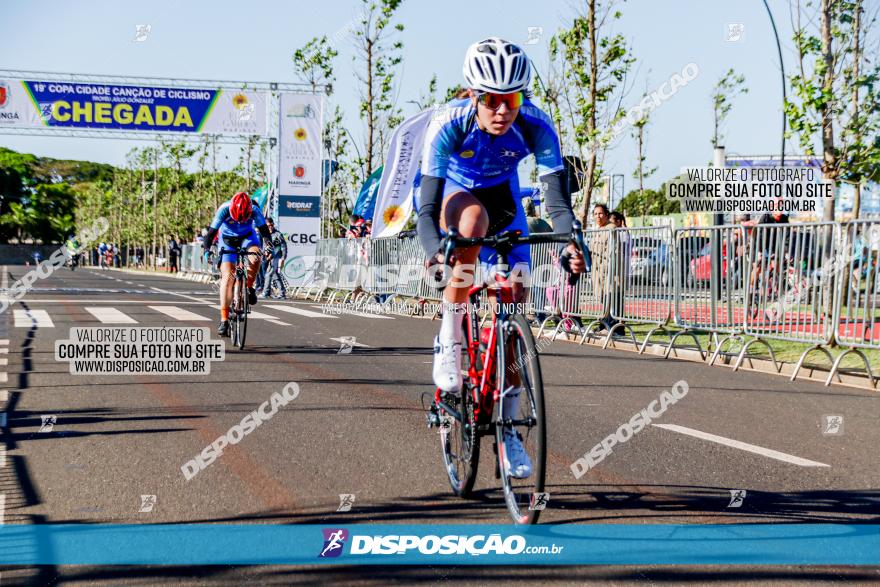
[(244, 308), (459, 441), (233, 315), (527, 420)]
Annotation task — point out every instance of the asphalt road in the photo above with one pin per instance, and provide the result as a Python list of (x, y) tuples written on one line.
[(358, 427)]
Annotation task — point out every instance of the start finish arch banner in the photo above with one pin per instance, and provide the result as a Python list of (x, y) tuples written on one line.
[(98, 106)]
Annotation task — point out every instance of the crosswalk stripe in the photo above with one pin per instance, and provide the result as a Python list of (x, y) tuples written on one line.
[(31, 318), (4, 341), (178, 313), (4, 396), (300, 311), (110, 315)]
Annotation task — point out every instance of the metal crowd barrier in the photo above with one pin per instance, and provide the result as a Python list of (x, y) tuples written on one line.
[(807, 283), (709, 298), (787, 300), (857, 323), (641, 280)]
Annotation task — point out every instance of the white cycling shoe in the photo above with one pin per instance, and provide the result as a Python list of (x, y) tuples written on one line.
[(516, 461), (447, 365)]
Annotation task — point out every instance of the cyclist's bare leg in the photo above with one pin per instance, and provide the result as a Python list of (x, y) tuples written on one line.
[(468, 215), (253, 265), (227, 272), (464, 212)]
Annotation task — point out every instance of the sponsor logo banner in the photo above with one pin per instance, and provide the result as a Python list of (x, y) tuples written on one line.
[(452, 544), (100, 106), (300, 206), (300, 145)]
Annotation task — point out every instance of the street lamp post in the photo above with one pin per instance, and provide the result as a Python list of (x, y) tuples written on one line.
[(782, 74)]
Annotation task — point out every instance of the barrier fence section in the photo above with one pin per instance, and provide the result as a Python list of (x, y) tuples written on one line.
[(709, 279), (641, 281), (857, 316), (806, 283)]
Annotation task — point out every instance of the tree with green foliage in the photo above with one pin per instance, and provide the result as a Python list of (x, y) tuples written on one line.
[(723, 93), (313, 63), (379, 52), (648, 202), (835, 109), (595, 64)]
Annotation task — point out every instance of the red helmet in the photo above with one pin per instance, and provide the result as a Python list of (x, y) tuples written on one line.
[(240, 207)]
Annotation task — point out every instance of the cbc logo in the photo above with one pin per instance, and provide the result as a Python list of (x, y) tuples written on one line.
[(303, 238)]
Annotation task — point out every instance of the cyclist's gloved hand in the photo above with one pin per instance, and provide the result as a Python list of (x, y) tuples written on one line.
[(573, 262), (435, 266)]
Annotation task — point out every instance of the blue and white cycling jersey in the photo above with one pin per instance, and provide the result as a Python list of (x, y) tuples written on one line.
[(457, 149), (228, 227)]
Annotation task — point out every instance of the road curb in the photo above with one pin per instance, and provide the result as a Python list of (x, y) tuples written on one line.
[(749, 363)]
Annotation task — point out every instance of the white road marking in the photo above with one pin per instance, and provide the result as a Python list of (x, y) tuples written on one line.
[(4, 396), (4, 351), (343, 340), (129, 283), (259, 316), (2, 455), (31, 318), (361, 314), (752, 448), (104, 301), (178, 313), (110, 315), (4, 361), (4, 341), (4, 377), (300, 311), (2, 508)]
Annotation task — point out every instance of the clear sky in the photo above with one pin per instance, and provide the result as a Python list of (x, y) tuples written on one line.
[(254, 41)]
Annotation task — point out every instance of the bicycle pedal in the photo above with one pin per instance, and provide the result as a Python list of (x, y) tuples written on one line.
[(433, 418)]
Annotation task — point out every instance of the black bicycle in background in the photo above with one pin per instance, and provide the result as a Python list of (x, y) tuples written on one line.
[(240, 308)]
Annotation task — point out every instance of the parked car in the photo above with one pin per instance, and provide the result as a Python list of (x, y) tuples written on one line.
[(689, 248), (650, 260), (701, 266)]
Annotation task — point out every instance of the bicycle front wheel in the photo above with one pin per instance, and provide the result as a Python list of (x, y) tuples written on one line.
[(244, 308), (523, 417), (459, 441)]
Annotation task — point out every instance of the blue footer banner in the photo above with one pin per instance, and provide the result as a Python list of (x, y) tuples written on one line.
[(603, 544)]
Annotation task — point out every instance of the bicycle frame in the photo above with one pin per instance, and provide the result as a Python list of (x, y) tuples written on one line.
[(483, 387)]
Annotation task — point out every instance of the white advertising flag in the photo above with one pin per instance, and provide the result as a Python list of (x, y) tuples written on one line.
[(394, 200)]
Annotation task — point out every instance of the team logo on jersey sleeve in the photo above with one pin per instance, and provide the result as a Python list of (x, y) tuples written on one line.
[(466, 154)]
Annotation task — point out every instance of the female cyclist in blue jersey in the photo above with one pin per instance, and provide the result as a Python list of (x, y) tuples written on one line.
[(237, 221), (469, 180)]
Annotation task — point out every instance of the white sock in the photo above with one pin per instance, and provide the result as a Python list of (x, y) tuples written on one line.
[(450, 323), (510, 402)]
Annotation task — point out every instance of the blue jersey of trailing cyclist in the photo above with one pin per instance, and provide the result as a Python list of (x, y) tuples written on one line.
[(228, 227), (457, 149)]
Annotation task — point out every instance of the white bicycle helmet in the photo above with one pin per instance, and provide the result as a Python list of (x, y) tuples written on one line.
[(494, 65)]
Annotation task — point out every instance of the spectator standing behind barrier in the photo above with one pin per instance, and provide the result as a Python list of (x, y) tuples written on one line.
[(276, 260), (600, 248), (767, 251), (624, 252), (536, 224), (173, 253), (356, 227)]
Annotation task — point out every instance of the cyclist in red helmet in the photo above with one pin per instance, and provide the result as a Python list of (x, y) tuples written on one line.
[(237, 222)]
